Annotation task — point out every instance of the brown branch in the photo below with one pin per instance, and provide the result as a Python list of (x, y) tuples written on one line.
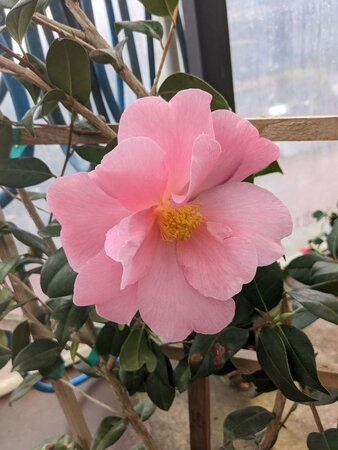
[(94, 38), (271, 433), (165, 52)]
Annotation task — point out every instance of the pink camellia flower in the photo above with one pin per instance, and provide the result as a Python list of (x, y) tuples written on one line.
[(165, 225)]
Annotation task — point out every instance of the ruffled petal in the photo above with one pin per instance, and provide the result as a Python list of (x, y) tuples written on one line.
[(85, 213), (134, 173), (243, 150), (98, 283), (217, 267), (251, 212), (131, 244), (174, 126), (171, 307)]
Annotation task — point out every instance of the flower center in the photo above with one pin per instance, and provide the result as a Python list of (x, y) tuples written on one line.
[(178, 223)]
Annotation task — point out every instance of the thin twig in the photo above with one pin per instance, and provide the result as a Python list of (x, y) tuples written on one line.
[(165, 52), (271, 433), (316, 417), (291, 410), (69, 145)]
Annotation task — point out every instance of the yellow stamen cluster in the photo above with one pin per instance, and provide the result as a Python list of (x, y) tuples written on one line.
[(178, 223)]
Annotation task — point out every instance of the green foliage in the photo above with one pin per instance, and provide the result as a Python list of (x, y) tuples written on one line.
[(245, 423), (7, 267), (320, 304), (68, 68), (30, 239), (40, 354), (261, 381), (109, 55), (5, 356), (109, 431), (19, 17), (180, 81), (133, 381), (50, 231), (273, 167), (28, 382), (323, 441), (151, 28), (6, 138), (332, 240), (57, 277), (272, 356), (160, 7), (266, 289), (23, 172), (300, 267), (136, 352), (5, 301), (111, 338), (63, 442), (91, 153), (209, 353), (182, 375), (20, 338), (145, 409)]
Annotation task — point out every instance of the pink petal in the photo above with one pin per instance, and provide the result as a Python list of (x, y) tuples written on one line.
[(130, 243), (217, 267), (99, 283), (85, 213), (205, 154), (174, 126), (243, 150), (134, 173), (251, 212), (171, 307)]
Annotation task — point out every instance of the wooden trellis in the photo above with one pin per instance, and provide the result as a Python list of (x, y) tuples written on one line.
[(320, 128)]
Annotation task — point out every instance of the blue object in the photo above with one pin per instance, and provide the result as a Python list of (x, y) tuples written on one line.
[(48, 388)]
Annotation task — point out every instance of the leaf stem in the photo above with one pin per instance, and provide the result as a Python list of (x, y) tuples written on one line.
[(69, 145)]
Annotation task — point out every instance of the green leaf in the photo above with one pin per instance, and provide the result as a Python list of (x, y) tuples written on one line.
[(300, 267), (85, 368), (136, 352), (6, 139), (5, 356), (50, 101), (180, 81), (318, 303), (27, 119), (323, 441), (162, 394), (133, 381), (111, 339), (23, 172), (7, 267), (332, 240), (28, 382), (19, 18), (109, 55), (273, 167), (54, 371), (244, 313), (70, 319), (57, 277), (301, 357), (110, 430), (302, 318), (261, 381), (266, 289), (40, 354), (31, 240), (272, 356), (323, 271), (145, 409), (151, 28), (209, 352), (182, 375), (20, 338), (245, 423), (160, 7), (5, 301), (68, 68), (51, 230), (91, 153)]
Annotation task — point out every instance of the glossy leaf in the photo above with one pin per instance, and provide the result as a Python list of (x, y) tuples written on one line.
[(332, 240), (209, 352), (68, 68), (20, 338), (261, 381), (318, 303), (300, 267), (91, 153), (266, 289), (109, 55), (274, 167), (162, 394), (51, 230), (245, 423), (145, 409), (23, 172), (30, 239), (272, 356), (244, 312), (49, 102), (323, 441), (136, 352), (111, 338), (133, 381), (151, 28), (5, 301), (57, 277), (323, 271), (301, 357), (5, 356), (40, 354), (160, 7), (182, 375), (180, 81), (28, 382), (7, 266), (19, 18), (110, 430)]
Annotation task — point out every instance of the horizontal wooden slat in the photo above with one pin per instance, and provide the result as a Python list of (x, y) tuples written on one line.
[(321, 128)]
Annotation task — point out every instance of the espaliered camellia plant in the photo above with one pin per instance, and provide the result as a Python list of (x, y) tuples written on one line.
[(166, 240)]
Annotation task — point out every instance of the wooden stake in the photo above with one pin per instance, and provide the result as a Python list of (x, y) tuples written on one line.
[(199, 414)]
